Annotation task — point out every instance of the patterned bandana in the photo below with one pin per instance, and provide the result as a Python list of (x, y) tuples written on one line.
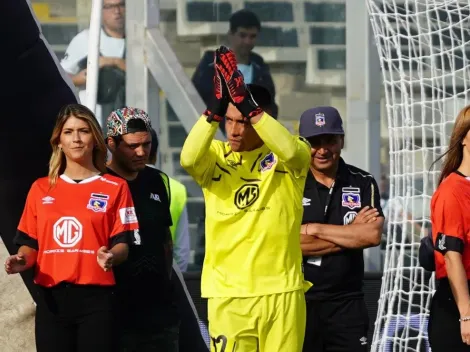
[(118, 119)]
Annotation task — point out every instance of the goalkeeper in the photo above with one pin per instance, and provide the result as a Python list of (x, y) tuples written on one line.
[(253, 187)]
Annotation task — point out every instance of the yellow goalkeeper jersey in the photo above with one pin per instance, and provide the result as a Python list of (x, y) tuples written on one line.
[(253, 209)]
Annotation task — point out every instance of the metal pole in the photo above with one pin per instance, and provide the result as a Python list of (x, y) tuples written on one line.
[(93, 56), (363, 91)]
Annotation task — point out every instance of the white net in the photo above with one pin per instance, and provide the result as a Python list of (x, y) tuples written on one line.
[(424, 51)]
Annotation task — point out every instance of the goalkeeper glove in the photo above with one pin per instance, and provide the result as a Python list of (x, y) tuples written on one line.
[(219, 100), (240, 95)]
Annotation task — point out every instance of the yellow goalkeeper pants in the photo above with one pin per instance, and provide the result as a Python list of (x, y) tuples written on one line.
[(274, 323)]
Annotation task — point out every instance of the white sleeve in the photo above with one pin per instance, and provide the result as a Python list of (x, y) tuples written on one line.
[(181, 246), (76, 52)]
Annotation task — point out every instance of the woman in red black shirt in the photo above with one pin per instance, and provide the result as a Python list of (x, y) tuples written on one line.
[(449, 322), (75, 227)]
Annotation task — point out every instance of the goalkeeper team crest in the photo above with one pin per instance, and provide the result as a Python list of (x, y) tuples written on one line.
[(267, 162), (351, 197), (320, 119)]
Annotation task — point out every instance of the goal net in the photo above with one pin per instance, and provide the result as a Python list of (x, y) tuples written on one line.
[(424, 51)]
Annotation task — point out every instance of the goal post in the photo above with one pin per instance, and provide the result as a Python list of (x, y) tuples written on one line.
[(422, 45)]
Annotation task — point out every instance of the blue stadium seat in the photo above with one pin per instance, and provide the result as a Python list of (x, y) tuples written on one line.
[(327, 35), (332, 59), (203, 11), (58, 33), (324, 12), (415, 322), (270, 11), (278, 37)]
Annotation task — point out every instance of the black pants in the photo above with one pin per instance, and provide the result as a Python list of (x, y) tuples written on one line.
[(336, 326), (73, 318), (444, 326), (142, 341)]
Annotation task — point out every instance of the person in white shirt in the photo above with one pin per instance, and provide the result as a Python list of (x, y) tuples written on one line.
[(112, 48)]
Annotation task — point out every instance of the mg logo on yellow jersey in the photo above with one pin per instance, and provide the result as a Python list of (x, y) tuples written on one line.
[(246, 196)]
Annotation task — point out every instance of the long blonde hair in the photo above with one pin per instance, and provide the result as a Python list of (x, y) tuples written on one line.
[(57, 163), (454, 155)]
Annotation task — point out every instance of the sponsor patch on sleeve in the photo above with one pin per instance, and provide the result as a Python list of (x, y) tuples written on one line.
[(128, 216)]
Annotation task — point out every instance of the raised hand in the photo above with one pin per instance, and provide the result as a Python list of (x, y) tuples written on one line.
[(240, 95), (219, 102), (105, 258)]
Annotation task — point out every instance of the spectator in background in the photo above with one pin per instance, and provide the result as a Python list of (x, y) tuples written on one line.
[(244, 29), (179, 213), (112, 63), (449, 320)]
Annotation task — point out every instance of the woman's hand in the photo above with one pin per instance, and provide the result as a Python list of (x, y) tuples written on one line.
[(465, 331), (15, 264), (465, 327), (105, 258)]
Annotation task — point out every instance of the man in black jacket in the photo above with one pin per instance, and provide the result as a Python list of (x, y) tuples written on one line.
[(244, 29)]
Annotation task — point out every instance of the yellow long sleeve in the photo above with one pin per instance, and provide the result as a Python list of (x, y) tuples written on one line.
[(292, 150), (197, 156)]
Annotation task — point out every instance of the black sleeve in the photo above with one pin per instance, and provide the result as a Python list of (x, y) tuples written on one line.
[(202, 77), (22, 239), (126, 237), (266, 80), (371, 196), (446, 243)]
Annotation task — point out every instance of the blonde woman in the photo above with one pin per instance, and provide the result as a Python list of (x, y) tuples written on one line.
[(449, 321), (74, 229)]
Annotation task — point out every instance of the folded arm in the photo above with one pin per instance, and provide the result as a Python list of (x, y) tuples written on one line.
[(197, 156), (352, 236), (313, 246), (294, 151)]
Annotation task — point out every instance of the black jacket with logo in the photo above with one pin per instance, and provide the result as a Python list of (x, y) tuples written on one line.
[(341, 274)]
